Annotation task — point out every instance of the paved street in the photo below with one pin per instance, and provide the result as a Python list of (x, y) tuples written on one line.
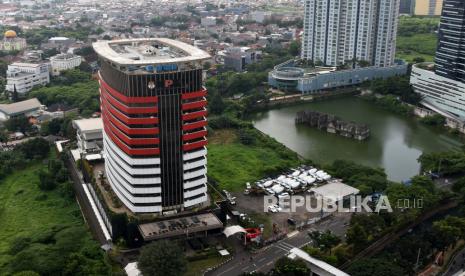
[(457, 265), (265, 260)]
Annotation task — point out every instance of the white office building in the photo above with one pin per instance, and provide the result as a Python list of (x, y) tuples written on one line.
[(89, 134), (62, 62), (24, 76), (339, 32)]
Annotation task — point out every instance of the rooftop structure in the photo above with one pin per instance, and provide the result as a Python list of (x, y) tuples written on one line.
[(335, 191), (11, 42), (148, 51), (184, 226), (316, 266), (23, 108), (89, 135)]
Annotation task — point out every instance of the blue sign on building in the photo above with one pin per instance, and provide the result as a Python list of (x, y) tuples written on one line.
[(167, 67)]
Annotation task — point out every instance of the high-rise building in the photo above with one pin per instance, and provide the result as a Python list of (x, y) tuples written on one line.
[(407, 7), (450, 54), (338, 32), (428, 7), (154, 115), (442, 85)]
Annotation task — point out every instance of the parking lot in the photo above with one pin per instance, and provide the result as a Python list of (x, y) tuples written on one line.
[(294, 181)]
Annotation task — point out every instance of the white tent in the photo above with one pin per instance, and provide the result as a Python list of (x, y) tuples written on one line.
[(132, 270), (335, 191), (231, 230)]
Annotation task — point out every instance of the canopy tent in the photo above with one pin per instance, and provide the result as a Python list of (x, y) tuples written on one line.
[(231, 230), (335, 191)]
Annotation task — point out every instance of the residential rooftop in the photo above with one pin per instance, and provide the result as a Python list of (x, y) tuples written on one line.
[(20, 107), (92, 124), (148, 51), (179, 226)]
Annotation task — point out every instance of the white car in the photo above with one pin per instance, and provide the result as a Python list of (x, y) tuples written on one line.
[(278, 209), (284, 195), (248, 185), (269, 191), (272, 209)]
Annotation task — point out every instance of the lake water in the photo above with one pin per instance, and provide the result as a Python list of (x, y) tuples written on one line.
[(395, 143)]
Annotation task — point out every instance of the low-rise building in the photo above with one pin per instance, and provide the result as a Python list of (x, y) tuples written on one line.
[(24, 76), (62, 62), (236, 58), (440, 94), (289, 76), (89, 135), (27, 108), (208, 21)]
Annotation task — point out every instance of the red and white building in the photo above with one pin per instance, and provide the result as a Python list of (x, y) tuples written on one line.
[(154, 114)]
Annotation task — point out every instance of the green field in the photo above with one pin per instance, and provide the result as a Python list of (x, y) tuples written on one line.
[(417, 38), (420, 45), (232, 164), (43, 231)]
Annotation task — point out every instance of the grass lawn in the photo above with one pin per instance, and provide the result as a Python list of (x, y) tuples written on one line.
[(419, 45), (196, 268), (232, 164), (29, 213)]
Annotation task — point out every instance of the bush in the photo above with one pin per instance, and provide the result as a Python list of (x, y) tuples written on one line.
[(434, 120)]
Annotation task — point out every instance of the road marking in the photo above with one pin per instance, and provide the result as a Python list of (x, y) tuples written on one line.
[(292, 234), (229, 269), (264, 258)]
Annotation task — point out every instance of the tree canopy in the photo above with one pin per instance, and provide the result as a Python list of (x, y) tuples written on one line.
[(162, 258)]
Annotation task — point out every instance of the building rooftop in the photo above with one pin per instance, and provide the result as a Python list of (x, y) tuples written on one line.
[(64, 56), (148, 51), (179, 226), (335, 190), (20, 107), (92, 124)]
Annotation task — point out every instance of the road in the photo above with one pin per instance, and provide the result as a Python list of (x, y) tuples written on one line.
[(264, 261), (457, 265), (84, 203)]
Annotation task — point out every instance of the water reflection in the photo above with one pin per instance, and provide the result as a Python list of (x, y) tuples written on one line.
[(395, 144)]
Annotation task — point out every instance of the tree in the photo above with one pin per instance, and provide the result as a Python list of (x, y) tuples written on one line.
[(357, 236), (162, 258), (3, 137), (324, 240), (294, 48), (19, 123), (288, 267)]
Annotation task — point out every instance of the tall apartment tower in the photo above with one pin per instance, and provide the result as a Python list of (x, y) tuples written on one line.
[(450, 54), (154, 115), (338, 32)]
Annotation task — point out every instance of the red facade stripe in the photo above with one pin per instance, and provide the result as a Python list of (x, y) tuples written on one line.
[(124, 118), (194, 125), (126, 99), (126, 149), (130, 131), (201, 103), (193, 115), (129, 140), (129, 110), (195, 145), (195, 135), (198, 94)]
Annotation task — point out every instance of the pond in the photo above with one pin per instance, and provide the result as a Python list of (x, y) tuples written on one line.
[(395, 143)]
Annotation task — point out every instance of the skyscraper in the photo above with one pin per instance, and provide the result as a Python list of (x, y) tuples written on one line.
[(442, 85), (154, 114), (338, 32), (450, 54)]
